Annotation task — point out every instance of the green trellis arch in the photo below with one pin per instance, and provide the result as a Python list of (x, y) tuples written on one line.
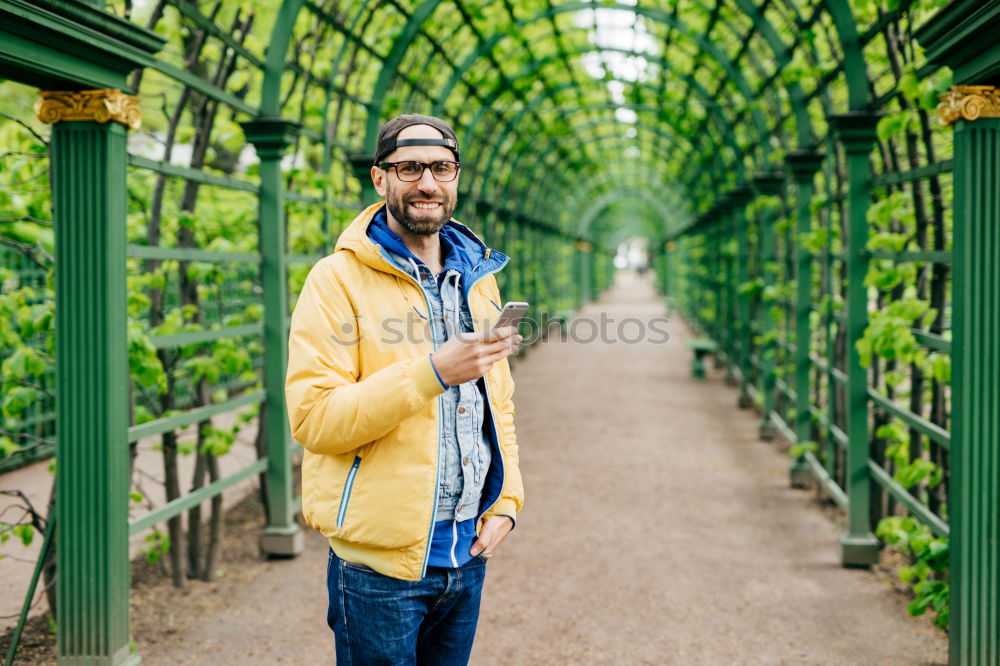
[(772, 163)]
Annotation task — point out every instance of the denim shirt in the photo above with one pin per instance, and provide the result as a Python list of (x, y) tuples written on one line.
[(465, 452)]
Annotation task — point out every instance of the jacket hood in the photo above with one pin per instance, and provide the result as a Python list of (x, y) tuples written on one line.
[(369, 235)]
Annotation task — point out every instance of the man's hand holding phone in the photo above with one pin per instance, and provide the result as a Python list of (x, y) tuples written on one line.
[(468, 356)]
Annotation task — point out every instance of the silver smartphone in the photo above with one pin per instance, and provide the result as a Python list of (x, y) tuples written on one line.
[(511, 314)]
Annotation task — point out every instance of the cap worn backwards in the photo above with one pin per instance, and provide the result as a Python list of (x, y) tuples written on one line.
[(388, 141)]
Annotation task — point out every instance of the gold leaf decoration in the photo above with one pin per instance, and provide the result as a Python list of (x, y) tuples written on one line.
[(968, 103), (104, 105)]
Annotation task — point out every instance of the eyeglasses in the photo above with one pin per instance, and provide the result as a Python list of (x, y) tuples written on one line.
[(409, 171)]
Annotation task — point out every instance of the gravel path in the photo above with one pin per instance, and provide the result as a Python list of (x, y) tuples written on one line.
[(658, 530)]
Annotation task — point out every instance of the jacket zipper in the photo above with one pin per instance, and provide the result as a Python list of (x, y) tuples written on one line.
[(486, 389), (437, 462), (346, 495), (493, 425), (496, 437)]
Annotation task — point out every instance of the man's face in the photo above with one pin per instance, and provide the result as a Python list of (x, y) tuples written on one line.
[(423, 206)]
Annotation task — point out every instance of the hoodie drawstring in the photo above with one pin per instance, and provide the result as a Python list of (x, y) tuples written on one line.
[(456, 315), (406, 297), (416, 276), (456, 305)]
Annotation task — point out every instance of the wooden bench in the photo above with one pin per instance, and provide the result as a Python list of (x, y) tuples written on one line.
[(701, 348), (563, 319)]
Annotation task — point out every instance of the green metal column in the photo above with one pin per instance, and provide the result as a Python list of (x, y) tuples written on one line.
[(669, 254), (741, 195), (525, 259), (803, 166), (361, 166), (584, 253), (725, 278), (732, 305), (974, 492), (92, 482), (506, 240), (531, 248), (714, 252), (767, 185), (974, 486), (830, 317), (540, 248), (723, 322), (856, 132), (271, 136), (482, 226), (71, 47), (658, 250), (484, 222)]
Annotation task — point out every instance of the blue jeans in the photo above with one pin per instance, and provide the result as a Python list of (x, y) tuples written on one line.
[(381, 620)]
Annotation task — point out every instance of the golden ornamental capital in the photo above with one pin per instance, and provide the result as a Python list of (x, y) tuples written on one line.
[(106, 104), (968, 103)]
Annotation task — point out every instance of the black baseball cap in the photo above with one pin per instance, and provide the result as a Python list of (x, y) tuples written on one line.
[(387, 141)]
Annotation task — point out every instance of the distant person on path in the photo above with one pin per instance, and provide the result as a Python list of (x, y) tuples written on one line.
[(401, 394)]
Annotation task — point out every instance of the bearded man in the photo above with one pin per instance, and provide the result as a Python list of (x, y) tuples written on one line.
[(411, 462)]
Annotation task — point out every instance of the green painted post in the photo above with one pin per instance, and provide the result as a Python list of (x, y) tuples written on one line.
[(767, 184), (585, 253), (483, 219), (741, 195), (721, 356), (831, 317), (803, 166), (669, 258), (610, 270), (271, 137), (706, 283), (732, 320), (69, 47), (856, 132), (974, 492), (974, 486), (88, 162), (539, 248), (693, 280), (530, 248), (664, 252), (516, 246), (361, 165), (719, 332)]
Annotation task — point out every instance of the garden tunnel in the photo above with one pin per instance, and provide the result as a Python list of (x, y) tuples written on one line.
[(805, 173)]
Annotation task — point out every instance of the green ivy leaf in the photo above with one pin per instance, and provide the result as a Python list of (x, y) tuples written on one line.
[(18, 399), (803, 447), (7, 447), (892, 124), (157, 545), (26, 533)]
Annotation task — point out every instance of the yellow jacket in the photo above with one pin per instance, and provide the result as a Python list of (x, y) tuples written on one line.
[(362, 401)]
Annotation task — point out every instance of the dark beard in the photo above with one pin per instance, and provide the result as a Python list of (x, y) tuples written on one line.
[(423, 226)]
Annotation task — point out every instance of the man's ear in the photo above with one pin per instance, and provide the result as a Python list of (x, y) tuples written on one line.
[(378, 180)]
